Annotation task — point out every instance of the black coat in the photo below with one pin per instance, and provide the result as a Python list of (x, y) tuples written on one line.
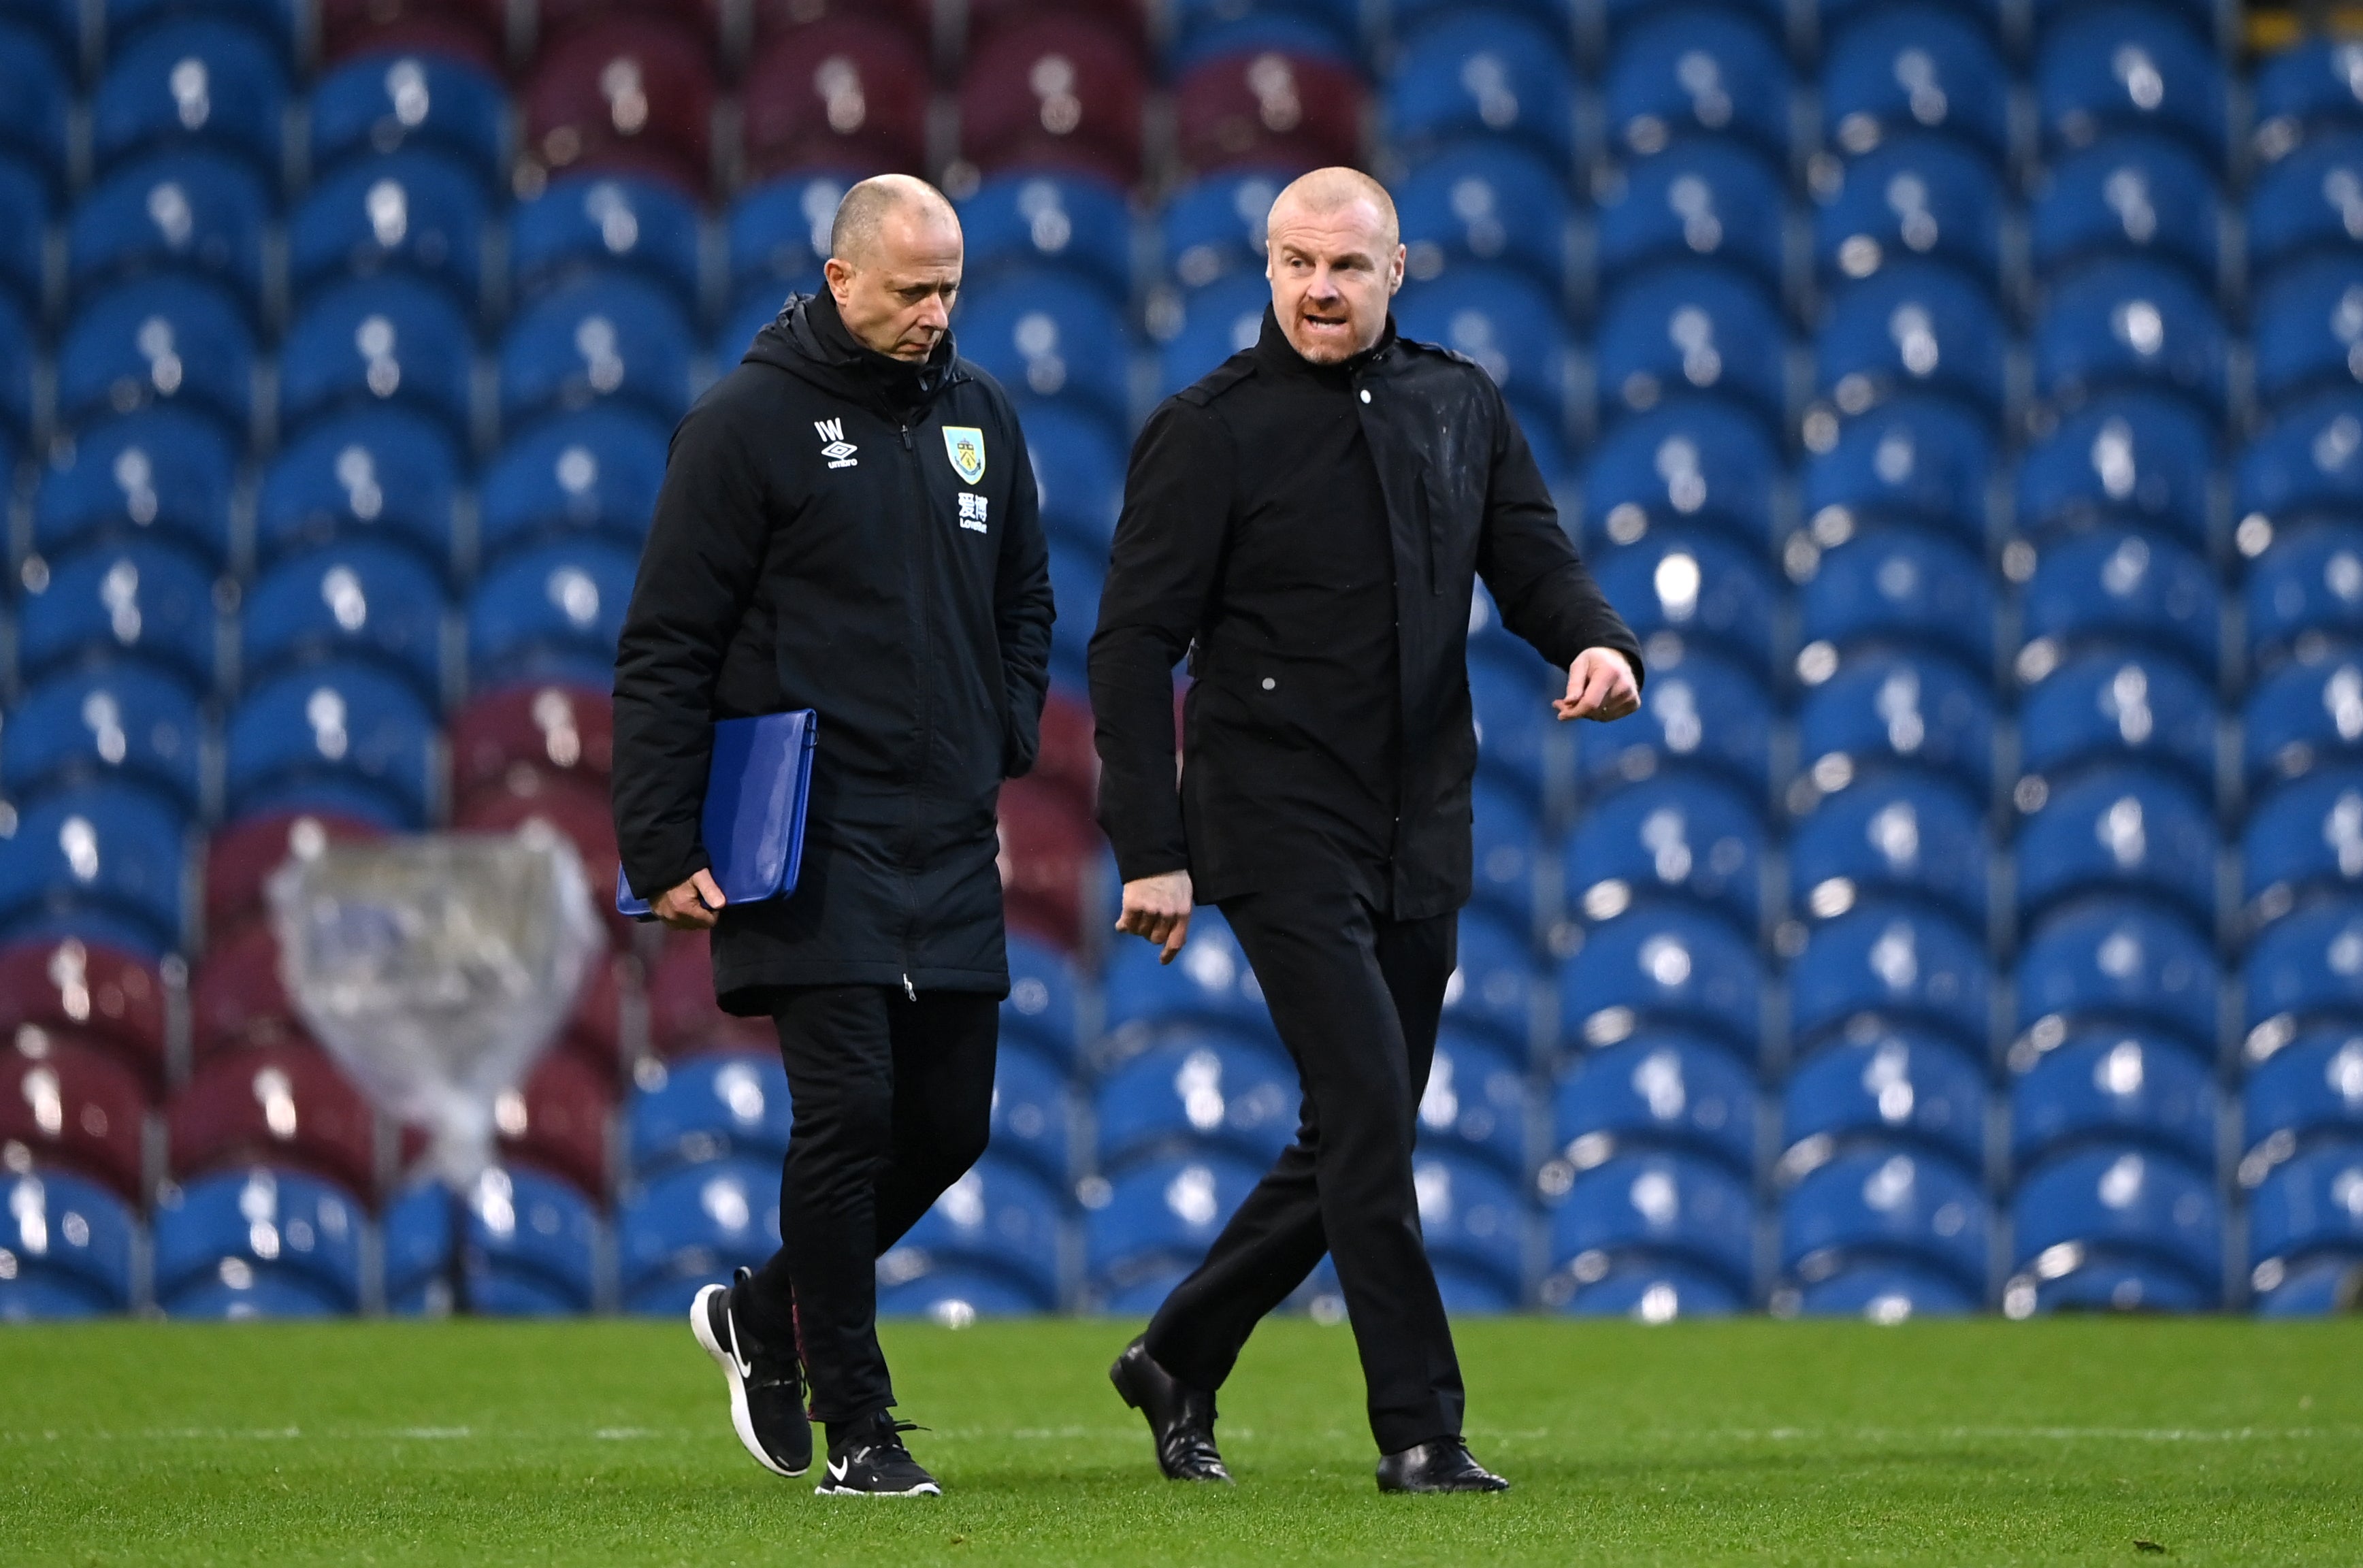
[(814, 546), (1203, 557)]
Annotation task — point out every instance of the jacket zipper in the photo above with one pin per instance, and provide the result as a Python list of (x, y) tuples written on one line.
[(927, 703)]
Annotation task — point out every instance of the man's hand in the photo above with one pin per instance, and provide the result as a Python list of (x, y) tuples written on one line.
[(1600, 684), (1157, 908), (691, 906)]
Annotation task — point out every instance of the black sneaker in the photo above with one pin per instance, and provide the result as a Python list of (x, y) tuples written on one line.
[(767, 1386), (869, 1460)]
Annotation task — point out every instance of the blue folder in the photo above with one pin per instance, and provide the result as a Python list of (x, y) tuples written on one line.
[(754, 820)]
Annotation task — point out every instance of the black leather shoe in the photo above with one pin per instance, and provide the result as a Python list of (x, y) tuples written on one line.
[(1181, 1419), (1444, 1466)]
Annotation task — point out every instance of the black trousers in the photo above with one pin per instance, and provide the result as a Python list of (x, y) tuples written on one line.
[(1356, 997), (893, 1102)]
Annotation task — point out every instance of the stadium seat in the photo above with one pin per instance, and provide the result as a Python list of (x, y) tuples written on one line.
[(2305, 590), (551, 729), (1689, 463), (237, 997), (2127, 67), (1644, 1289), (474, 32), (1195, 1087), (70, 1256), (684, 1020), (1204, 29), (1884, 964), (529, 1246), (163, 471), (382, 473), (998, 1219), (2116, 708), (1048, 856), (1682, 70), (1917, 460), (175, 341), (1484, 74), (2301, 466), (1879, 1291), (2113, 1088), (691, 1227), (2308, 324), (1214, 226), (2317, 1289), (1495, 987), (1047, 340), (2106, 1208), (1911, 326), (725, 1105), (1473, 1226), (1506, 849), (338, 735), (1898, 710), (1708, 199), (1661, 965), (274, 21), (777, 236), (2310, 83), (1209, 325), (191, 83), (223, 1242), (1044, 220), (108, 851), (1079, 472), (1892, 1088), (1886, 1207), (845, 93), (2118, 830), (1913, 196), (596, 339), (1696, 839), (1662, 1209), (189, 211), (2129, 324), (2306, 837), (1040, 1010), (1916, 67), (1692, 327), (1154, 1222), (1895, 588), (2307, 710), (1681, 587), (2308, 1208), (1898, 838), (375, 343), (2118, 962), (26, 208), (1485, 202), (418, 1248), (2140, 196), (129, 723), (2122, 588), (629, 94), (2135, 457), (2310, 201), (40, 95), (594, 473), (1033, 1114), (601, 223), (2302, 1088), (285, 1106), (1509, 693), (416, 213), (550, 613), (1209, 982), (1697, 710), (241, 856), (388, 102), (1662, 1091), (71, 1105), (67, 987), (1054, 93), (1475, 1100), (575, 808)]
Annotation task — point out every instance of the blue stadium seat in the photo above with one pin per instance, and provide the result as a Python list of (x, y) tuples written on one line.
[(2307, 965), (1475, 1100), (385, 474), (365, 599), (2122, 588), (1198, 1087), (1656, 1208), (163, 340), (2143, 458), (386, 102), (1686, 587), (1680, 70), (1711, 199), (38, 96), (1077, 575), (691, 1227), (1644, 1289), (1506, 848), (2104, 1207), (588, 223), (17, 346), (550, 610), (2326, 1286), (114, 850), (1895, 836), (375, 343), (1662, 966), (777, 236), (2304, 837), (2310, 201), (2313, 82), (1880, 1292), (1155, 1221), (225, 1235), (1214, 226), (25, 208), (1032, 1113), (1318, 29), (1696, 839), (1496, 986), (1078, 470), (1900, 710), (190, 211), (2128, 67), (1047, 341), (1073, 223), (2119, 962), (529, 1246), (998, 1219), (727, 1104), (1913, 326), (1897, 588), (1917, 460), (2307, 710), (2113, 1088), (2306, 588), (1884, 964), (1692, 327), (594, 473), (1697, 710), (1209, 982), (953, 1295), (1692, 462), (2120, 707), (2119, 830), (193, 82), (1509, 693), (1888, 1206), (69, 1247), (416, 212), (1473, 1225), (2308, 323), (2128, 195), (1915, 67), (1660, 1091), (1209, 326), (1897, 1087), (337, 731), (274, 21), (2130, 324), (1482, 73), (163, 473), (145, 600), (1040, 1009), (56, 25), (1912, 195), (419, 1246), (126, 722), (1509, 325), (2308, 1089), (2105, 1283), (594, 340), (1484, 202)]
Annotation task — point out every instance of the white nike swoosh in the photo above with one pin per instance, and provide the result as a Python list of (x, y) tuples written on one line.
[(838, 1468)]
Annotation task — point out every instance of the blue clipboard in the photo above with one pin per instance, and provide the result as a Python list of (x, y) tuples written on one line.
[(753, 825)]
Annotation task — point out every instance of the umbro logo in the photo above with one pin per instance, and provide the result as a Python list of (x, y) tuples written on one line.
[(838, 450)]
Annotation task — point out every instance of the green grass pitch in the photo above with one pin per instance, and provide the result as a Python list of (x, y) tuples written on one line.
[(1748, 1441)]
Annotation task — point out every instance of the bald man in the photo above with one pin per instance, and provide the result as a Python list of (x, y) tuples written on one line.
[(847, 524), (1306, 523)]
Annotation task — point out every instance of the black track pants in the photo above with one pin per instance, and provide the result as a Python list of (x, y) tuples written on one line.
[(893, 1101), (1356, 998)]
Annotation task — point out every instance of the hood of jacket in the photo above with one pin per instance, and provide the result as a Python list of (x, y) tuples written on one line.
[(810, 340)]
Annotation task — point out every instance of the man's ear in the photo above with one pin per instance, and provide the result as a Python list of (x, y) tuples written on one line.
[(840, 278), (1395, 270)]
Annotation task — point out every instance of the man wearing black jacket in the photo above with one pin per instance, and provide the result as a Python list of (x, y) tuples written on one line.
[(849, 522), (1307, 522)]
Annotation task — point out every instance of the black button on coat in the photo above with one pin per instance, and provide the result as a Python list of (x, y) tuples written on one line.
[(817, 545)]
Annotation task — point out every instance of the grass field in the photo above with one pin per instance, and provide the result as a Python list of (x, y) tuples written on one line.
[(596, 1443)]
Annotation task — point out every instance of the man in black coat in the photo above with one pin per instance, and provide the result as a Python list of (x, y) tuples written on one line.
[(849, 522), (1307, 522)]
